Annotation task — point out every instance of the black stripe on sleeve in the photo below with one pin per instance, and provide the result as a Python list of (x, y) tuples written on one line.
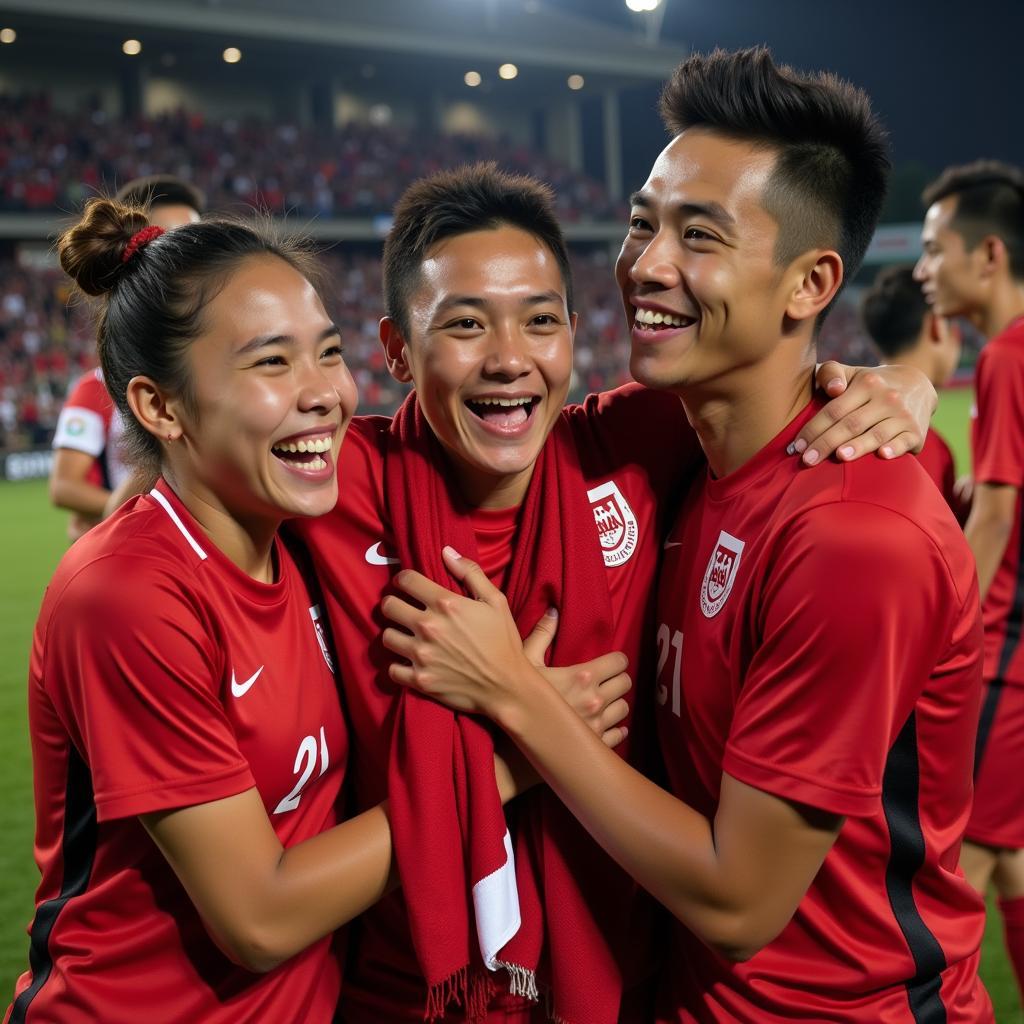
[(900, 787), (1015, 617), (993, 691), (78, 849)]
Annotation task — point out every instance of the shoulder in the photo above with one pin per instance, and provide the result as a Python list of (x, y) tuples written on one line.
[(877, 519), (1005, 351), (626, 405), (90, 392)]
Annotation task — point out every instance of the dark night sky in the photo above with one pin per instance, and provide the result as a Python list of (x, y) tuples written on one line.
[(946, 78)]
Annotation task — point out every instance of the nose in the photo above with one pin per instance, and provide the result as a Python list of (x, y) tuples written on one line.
[(657, 262), (508, 356), (919, 268), (317, 389)]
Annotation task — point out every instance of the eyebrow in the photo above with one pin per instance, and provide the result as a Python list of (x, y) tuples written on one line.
[(476, 302), (264, 340), (712, 210)]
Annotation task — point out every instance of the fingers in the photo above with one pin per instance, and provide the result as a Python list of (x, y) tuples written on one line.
[(616, 712), (417, 586), (615, 688), (536, 644), (868, 418), (399, 643), (831, 378), (467, 571), (607, 666), (613, 737), (401, 611)]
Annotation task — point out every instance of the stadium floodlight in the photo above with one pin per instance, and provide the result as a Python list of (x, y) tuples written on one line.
[(131, 47), (232, 55), (641, 6), (472, 79), (7, 35), (575, 82), (508, 72)]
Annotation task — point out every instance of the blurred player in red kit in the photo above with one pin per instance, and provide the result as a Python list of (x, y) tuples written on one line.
[(897, 318), (87, 463), (973, 266)]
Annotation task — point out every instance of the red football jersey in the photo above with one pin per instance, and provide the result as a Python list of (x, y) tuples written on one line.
[(89, 422), (162, 676), (819, 639), (937, 460), (635, 447), (997, 441)]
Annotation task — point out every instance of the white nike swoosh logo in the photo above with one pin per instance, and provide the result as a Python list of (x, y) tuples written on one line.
[(673, 544), (241, 689), (375, 556)]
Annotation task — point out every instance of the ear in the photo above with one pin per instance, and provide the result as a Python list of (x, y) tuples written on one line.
[(819, 273), (992, 254), (574, 319), (155, 411), (395, 350)]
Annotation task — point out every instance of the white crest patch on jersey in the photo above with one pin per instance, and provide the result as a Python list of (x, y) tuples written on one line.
[(321, 637), (720, 574), (617, 527)]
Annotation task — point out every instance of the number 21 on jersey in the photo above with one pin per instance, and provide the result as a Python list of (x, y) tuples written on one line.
[(305, 765), (670, 642)]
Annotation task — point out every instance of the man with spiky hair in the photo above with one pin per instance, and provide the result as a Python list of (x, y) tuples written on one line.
[(973, 266), (819, 636)]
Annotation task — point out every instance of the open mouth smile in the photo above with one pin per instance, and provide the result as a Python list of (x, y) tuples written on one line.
[(655, 320), (310, 454), (503, 415)]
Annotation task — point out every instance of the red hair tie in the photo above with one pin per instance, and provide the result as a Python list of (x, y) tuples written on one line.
[(139, 239)]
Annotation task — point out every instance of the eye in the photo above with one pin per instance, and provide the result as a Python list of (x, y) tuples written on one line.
[(464, 323), (270, 361), (545, 320), (637, 223), (333, 352), (699, 235)]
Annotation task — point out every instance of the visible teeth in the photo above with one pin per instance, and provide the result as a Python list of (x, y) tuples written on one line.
[(507, 402), (314, 464), (321, 444), (649, 316)]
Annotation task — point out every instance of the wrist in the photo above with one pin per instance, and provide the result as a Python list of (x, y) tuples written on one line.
[(522, 702)]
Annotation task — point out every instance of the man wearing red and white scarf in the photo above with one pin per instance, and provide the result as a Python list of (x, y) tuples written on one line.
[(561, 508)]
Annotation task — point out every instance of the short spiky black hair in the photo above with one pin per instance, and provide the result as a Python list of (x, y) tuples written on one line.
[(829, 182), (894, 310), (989, 201), (478, 197)]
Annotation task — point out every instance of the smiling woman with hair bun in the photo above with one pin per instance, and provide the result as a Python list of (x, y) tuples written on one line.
[(188, 739)]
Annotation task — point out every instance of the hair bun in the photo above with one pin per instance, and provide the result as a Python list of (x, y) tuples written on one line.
[(92, 251)]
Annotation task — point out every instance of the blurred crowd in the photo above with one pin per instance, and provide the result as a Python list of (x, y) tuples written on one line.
[(47, 338), (54, 160)]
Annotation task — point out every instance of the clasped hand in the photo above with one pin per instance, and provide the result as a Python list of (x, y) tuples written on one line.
[(466, 652)]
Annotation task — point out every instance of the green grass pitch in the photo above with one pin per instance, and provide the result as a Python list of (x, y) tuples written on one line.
[(33, 541)]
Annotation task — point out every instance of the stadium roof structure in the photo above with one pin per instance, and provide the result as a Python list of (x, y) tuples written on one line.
[(523, 31)]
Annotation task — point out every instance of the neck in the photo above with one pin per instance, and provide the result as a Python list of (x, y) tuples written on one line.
[(494, 492), (249, 544), (736, 417), (1007, 304)]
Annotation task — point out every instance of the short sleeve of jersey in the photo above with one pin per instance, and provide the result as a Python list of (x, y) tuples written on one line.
[(82, 424), (140, 698), (634, 424), (840, 640), (999, 430)]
